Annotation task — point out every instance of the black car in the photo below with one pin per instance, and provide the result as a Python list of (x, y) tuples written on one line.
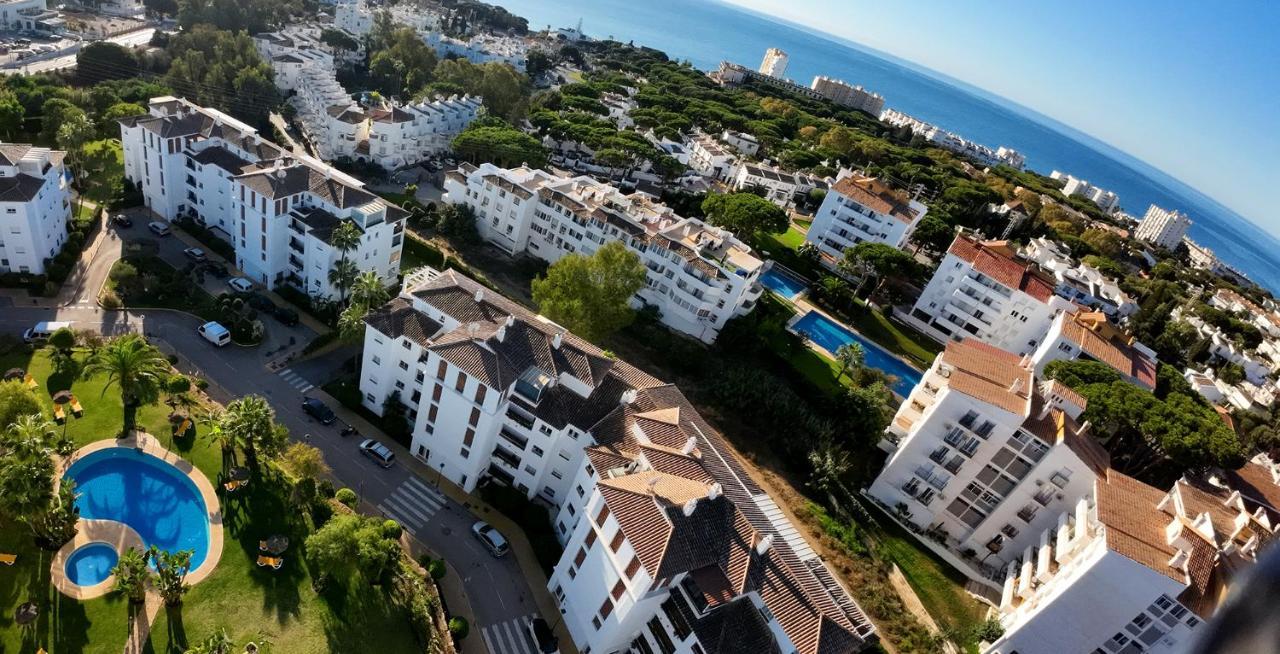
[(122, 220), (287, 317), (260, 302), (542, 635), (318, 410)]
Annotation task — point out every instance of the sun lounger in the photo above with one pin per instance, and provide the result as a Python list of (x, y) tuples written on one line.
[(274, 562), (262, 546), (75, 406), (233, 486), (182, 428), (30, 381), (58, 413), (8, 559)]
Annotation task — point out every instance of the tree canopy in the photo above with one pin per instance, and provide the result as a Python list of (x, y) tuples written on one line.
[(501, 144), (591, 295), (744, 214)]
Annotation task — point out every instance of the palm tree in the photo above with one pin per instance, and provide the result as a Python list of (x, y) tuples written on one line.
[(250, 423), (223, 438), (851, 358), (171, 573), (135, 366), (217, 642), (342, 275), (369, 290), (131, 573), (345, 237)]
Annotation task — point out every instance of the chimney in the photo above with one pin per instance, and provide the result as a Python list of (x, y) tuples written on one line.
[(1084, 428), (479, 295), (690, 506), (714, 490), (472, 328), (556, 340), (628, 396), (652, 483), (688, 446), (501, 334), (764, 545), (1016, 386)]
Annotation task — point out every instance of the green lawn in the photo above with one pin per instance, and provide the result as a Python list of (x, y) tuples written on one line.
[(238, 596), (788, 240)]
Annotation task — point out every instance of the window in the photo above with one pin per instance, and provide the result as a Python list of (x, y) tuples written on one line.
[(537, 451), (618, 589), (466, 453), (595, 622), (475, 417), (591, 538), (580, 491), (481, 390), (603, 515), (440, 371), (581, 556), (616, 543), (572, 511), (461, 384), (404, 365), (431, 413), (606, 608), (435, 393), (556, 474), (632, 567), (469, 437)]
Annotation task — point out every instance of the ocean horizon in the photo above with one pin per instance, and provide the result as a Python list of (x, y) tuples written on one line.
[(706, 32)]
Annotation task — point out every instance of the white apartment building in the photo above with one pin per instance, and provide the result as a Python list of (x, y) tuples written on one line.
[(1135, 570), (1163, 227), (709, 157), (983, 458), (774, 63), (699, 276), (847, 95), (1079, 282), (482, 48), (276, 209), (35, 205), (669, 544), (1266, 320), (746, 144), (356, 16), (402, 135), (954, 142), (1071, 185), (1089, 336), (862, 209), (780, 186), (983, 290), (16, 14)]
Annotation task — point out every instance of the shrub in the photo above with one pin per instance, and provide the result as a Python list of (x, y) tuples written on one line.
[(347, 497), (391, 529), (325, 488), (110, 300), (459, 627), (437, 569), (202, 383)]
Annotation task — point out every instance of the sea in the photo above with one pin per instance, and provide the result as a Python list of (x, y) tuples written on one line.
[(706, 32)]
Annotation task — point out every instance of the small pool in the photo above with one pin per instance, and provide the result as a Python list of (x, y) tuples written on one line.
[(830, 335), (91, 564), (152, 497), (781, 281)]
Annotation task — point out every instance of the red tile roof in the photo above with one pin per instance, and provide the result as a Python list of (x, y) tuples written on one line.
[(997, 260), (990, 374)]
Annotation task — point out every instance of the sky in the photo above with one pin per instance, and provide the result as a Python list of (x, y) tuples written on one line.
[(1192, 88)]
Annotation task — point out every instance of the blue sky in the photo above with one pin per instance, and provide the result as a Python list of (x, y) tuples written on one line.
[(1190, 87)]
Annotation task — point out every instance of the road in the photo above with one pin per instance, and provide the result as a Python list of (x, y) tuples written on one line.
[(67, 58), (503, 602)]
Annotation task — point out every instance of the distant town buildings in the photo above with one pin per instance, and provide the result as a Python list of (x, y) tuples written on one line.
[(709, 157), (779, 186), (1162, 227), (862, 209), (277, 210), (774, 63), (844, 94), (699, 277), (668, 545), (954, 142), (1104, 199), (1079, 282), (35, 205), (984, 290)]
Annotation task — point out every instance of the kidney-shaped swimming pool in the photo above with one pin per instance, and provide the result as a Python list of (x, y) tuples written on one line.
[(149, 495)]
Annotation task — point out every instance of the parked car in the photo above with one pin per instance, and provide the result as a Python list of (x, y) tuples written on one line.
[(260, 302), (240, 284), (196, 254), (158, 228), (490, 538), (43, 330), (122, 220), (381, 454), (287, 317), (543, 637), (318, 410), (215, 333), (216, 269)]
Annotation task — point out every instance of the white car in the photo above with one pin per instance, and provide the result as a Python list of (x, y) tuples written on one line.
[(240, 284), (158, 228), (195, 254)]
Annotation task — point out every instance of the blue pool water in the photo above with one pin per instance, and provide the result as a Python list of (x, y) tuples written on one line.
[(781, 282), (91, 564), (830, 335), (157, 500)]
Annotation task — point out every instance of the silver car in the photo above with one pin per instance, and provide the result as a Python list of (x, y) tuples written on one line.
[(490, 538)]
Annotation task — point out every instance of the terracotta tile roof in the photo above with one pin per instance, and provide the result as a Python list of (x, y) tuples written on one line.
[(1054, 426), (398, 318), (1257, 484), (1067, 393), (997, 260), (987, 373), (876, 196), (1126, 359), (1135, 527)]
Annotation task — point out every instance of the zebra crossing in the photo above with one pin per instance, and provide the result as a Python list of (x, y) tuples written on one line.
[(295, 380), (412, 504), (510, 637)]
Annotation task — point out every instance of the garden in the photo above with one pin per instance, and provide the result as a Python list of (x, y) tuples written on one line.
[(343, 583)]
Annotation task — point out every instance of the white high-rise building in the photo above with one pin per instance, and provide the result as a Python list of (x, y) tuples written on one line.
[(1136, 569), (699, 275), (983, 458), (1106, 200), (1163, 227), (983, 290), (35, 205), (669, 546), (862, 209), (774, 63), (845, 94), (278, 210)]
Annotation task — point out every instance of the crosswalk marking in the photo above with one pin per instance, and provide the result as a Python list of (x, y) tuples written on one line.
[(412, 504), (295, 380), (509, 637)]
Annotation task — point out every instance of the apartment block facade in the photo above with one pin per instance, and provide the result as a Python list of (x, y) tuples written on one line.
[(1089, 336), (845, 94), (669, 544), (35, 205), (862, 209), (983, 457), (1134, 570), (779, 186), (278, 210), (983, 290), (774, 63), (699, 276), (1163, 227)]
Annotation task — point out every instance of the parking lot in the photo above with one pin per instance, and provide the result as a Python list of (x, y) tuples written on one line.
[(16, 48)]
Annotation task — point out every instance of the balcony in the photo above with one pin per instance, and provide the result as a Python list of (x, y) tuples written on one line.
[(927, 474), (953, 466), (939, 455), (1045, 495), (1027, 513), (297, 246), (295, 262), (501, 454), (515, 439), (519, 418)]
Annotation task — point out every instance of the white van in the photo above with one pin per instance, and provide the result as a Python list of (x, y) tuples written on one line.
[(42, 330), (215, 333)]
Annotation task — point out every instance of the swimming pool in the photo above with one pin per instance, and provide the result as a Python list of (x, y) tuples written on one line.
[(830, 335), (152, 497), (91, 564), (782, 282)]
